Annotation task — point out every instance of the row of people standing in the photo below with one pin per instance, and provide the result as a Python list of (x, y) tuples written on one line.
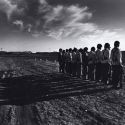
[(94, 65)]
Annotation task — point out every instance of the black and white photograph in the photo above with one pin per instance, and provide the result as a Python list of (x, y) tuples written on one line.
[(62, 62)]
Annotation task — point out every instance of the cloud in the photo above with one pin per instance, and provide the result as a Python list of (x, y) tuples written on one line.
[(64, 21), (29, 28), (7, 7), (43, 1), (12, 9), (67, 15), (99, 36), (19, 23), (58, 21), (38, 17)]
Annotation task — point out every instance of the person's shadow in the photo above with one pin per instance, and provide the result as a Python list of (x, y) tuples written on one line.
[(29, 89)]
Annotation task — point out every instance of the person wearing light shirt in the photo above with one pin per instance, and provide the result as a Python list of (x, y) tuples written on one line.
[(106, 63), (116, 61)]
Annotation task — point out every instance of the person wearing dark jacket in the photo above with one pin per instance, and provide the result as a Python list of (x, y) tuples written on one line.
[(85, 63), (70, 61), (91, 64), (67, 60), (74, 62), (63, 61)]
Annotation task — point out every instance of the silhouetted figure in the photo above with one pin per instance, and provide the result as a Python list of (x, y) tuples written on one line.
[(74, 61), (91, 64), (98, 73), (106, 63), (67, 60), (70, 61), (116, 61), (63, 61), (79, 63), (60, 60), (85, 63)]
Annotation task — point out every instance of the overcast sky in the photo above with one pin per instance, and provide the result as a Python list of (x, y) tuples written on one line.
[(46, 25)]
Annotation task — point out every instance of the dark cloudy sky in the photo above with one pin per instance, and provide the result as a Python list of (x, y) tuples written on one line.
[(46, 25)]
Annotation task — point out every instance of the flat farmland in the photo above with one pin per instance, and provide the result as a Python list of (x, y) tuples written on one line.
[(32, 92)]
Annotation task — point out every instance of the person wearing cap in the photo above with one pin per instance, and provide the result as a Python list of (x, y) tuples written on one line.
[(116, 61)]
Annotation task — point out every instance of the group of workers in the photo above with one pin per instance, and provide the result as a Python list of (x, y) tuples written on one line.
[(97, 65)]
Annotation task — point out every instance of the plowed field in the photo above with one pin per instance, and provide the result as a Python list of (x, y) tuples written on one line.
[(34, 93)]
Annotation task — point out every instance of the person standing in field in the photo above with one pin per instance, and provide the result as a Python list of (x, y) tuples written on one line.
[(85, 63), (63, 61), (79, 62), (98, 73), (60, 60), (74, 61), (67, 59), (70, 61), (91, 64), (116, 61), (106, 63)]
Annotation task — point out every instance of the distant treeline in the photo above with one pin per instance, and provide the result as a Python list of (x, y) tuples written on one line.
[(51, 56)]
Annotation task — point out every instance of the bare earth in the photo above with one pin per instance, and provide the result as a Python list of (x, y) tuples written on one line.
[(38, 95)]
